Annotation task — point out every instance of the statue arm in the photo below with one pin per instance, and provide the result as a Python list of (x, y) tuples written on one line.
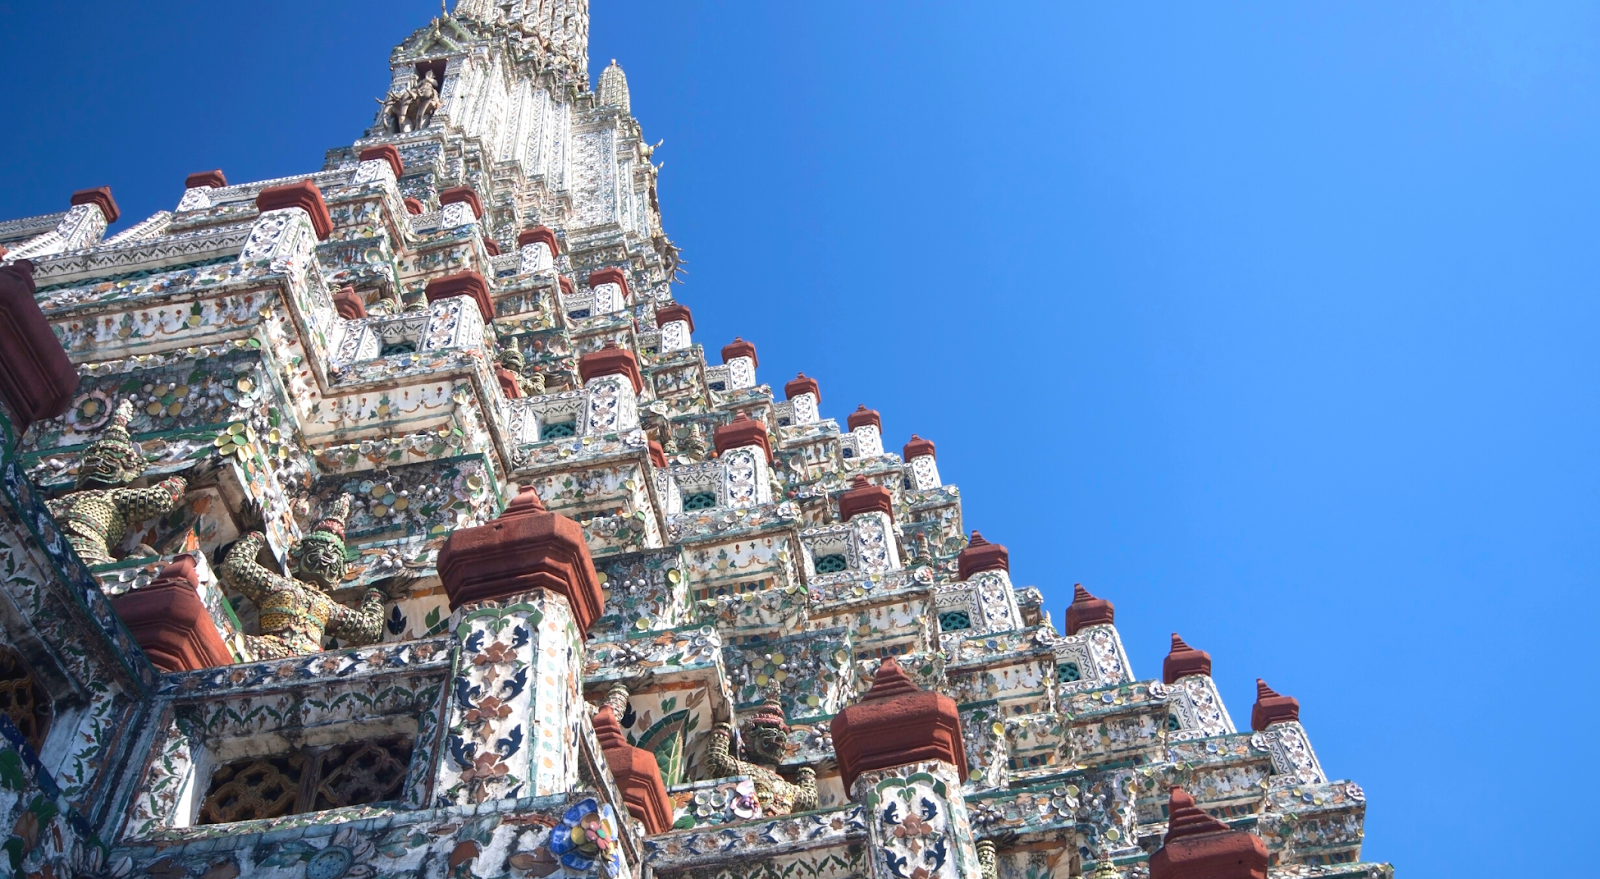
[(138, 504), (241, 570), (361, 626)]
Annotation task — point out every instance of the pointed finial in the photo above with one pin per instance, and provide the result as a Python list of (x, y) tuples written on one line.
[(1183, 661), (1087, 610)]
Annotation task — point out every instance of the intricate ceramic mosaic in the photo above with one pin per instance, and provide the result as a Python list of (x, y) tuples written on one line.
[(741, 612)]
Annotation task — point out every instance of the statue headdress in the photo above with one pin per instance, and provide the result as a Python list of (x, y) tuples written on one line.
[(770, 714), (331, 526), (116, 444)]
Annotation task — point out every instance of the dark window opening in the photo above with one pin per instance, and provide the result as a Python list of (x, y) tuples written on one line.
[(23, 698), (398, 348), (700, 500), (559, 430), (1067, 672), (307, 780), (832, 564), (954, 620), (436, 67)]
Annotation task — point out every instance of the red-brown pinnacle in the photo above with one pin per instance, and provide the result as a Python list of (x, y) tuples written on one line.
[(527, 548), (1087, 610), (1183, 661), (37, 379), (742, 431), (611, 360), (1272, 708), (864, 497), (801, 384), (637, 774), (171, 623), (1198, 846), (981, 555), (894, 724), (918, 448)]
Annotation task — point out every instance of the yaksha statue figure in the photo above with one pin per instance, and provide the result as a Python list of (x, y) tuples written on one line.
[(96, 515), (767, 742), (297, 613)]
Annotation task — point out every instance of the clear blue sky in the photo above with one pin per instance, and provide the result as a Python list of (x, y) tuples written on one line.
[(1273, 324)]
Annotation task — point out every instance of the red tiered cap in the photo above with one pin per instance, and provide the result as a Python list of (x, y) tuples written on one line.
[(864, 497), (611, 275), (1272, 708), (413, 206), (349, 304), (469, 284), (539, 233), (214, 179), (1183, 661), (742, 431), (666, 314), (171, 623), (918, 448), (1199, 846), (981, 555), (101, 198), (386, 152), (894, 724), (1086, 610), (37, 378), (304, 195), (463, 195), (508, 382), (526, 548), (658, 455), (863, 417), (740, 348), (637, 774), (611, 360), (802, 385)]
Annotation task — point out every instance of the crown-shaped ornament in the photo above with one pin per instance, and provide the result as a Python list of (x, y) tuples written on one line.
[(333, 519)]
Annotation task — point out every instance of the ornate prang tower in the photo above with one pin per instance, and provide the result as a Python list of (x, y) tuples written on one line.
[(386, 521)]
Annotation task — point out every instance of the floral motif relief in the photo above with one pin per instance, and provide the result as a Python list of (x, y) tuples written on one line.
[(918, 824), (924, 473), (607, 298), (675, 335), (508, 733), (743, 481), (371, 171), (534, 257), (805, 408), (1200, 709), (195, 198), (455, 215), (741, 373), (1292, 756), (998, 602), (267, 233), (873, 544), (610, 406), (868, 441)]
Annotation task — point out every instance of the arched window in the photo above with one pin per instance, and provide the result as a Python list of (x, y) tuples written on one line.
[(23, 698)]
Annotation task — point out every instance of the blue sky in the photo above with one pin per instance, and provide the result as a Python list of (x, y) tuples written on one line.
[(1274, 324)]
